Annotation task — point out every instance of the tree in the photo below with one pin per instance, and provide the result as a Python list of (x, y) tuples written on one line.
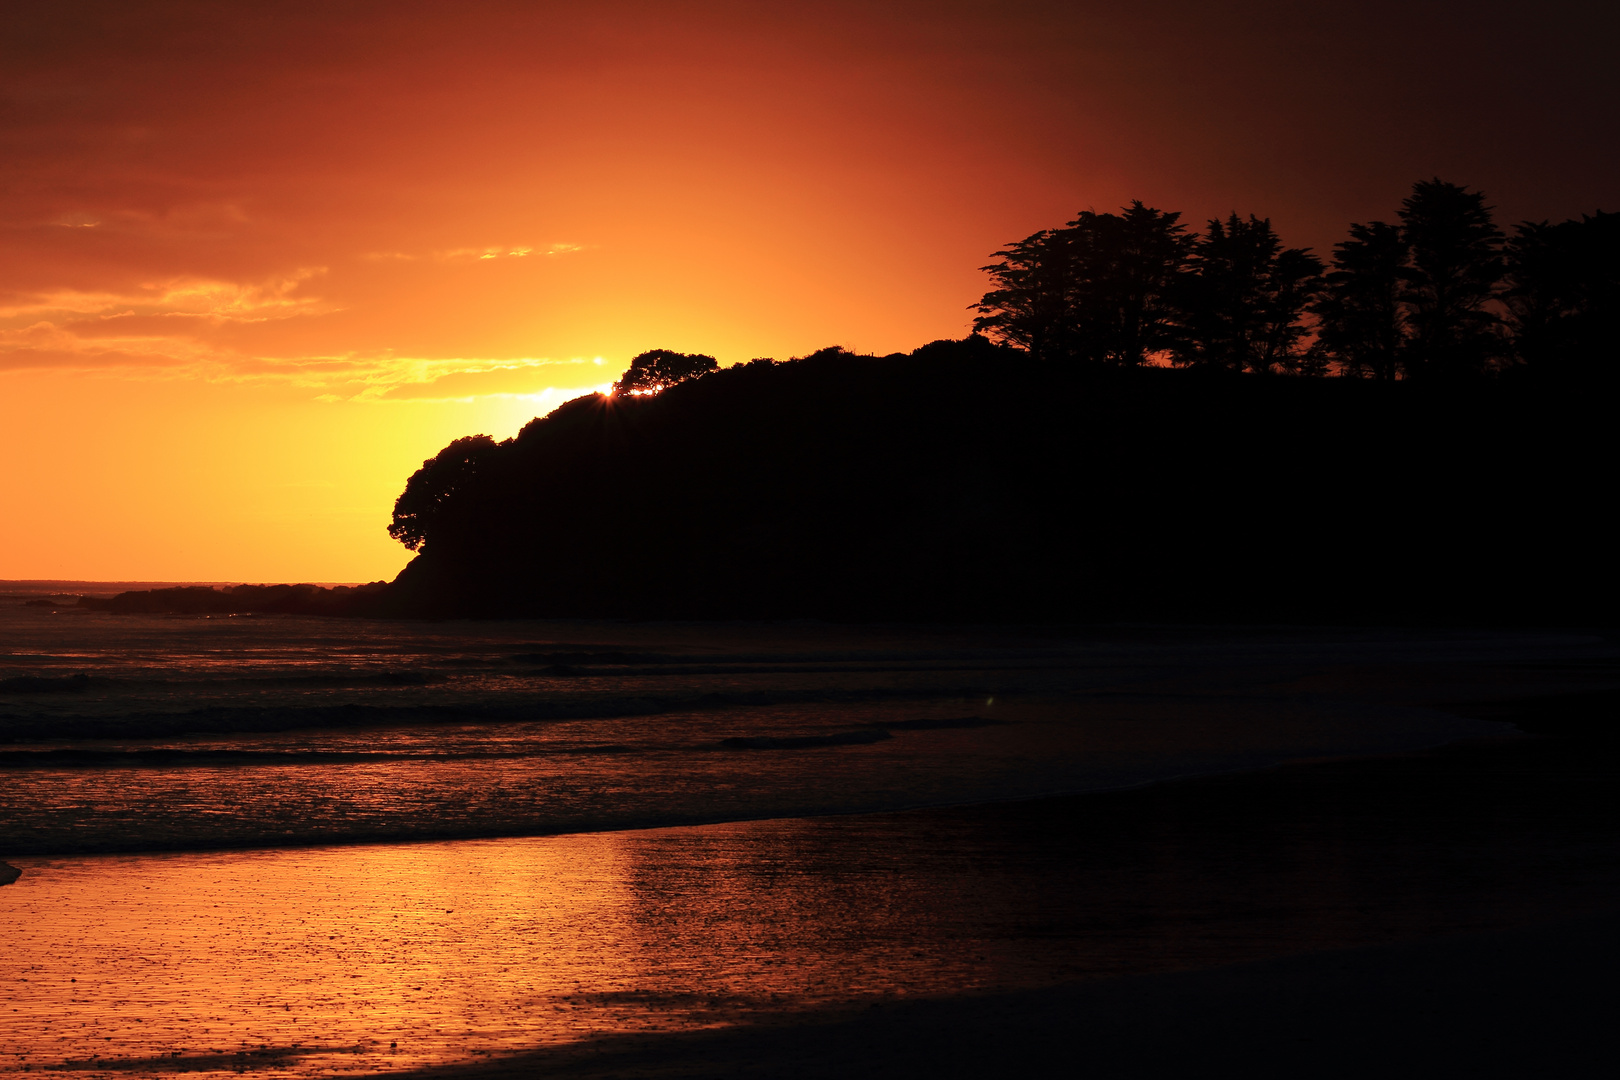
[(433, 489), (1125, 269), (1563, 296), (1361, 326), (1029, 305), (659, 369), (1242, 308), (1095, 291), (1456, 263)]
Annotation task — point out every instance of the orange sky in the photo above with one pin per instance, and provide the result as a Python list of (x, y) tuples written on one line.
[(255, 265)]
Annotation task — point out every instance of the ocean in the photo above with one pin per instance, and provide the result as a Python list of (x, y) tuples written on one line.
[(303, 846)]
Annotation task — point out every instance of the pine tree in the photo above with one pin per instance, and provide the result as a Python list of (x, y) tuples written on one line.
[(1456, 264), (1563, 296), (1243, 307), (1097, 291), (1361, 325)]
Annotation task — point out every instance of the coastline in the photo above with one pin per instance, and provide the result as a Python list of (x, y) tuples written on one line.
[(1389, 913), (1521, 1002), (1461, 920), (978, 917), (530, 832)]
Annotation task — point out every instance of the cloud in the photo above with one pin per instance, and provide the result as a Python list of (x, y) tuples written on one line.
[(61, 301), (356, 378), (276, 297), (46, 344), (272, 299), (159, 324), (473, 254), (31, 359), (213, 330), (495, 251), (482, 379)]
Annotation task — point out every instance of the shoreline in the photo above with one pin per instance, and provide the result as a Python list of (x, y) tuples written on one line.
[(1465, 921), (1526, 1001), (1217, 914), (1060, 796)]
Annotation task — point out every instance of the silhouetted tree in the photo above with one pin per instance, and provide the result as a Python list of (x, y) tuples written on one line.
[(431, 491), (1563, 296), (1456, 263), (968, 481), (1361, 326), (660, 369), (1125, 266), (1029, 305), (1243, 307), (1095, 291)]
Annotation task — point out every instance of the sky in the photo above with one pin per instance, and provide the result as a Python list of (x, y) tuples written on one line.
[(258, 261)]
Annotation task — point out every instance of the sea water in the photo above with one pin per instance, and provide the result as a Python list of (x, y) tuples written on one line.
[(141, 733), (197, 805)]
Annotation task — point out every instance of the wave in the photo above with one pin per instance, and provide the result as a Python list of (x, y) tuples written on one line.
[(515, 667), (45, 684), (868, 733), (803, 742), (934, 724), (175, 757), (168, 758), (261, 719), (83, 682)]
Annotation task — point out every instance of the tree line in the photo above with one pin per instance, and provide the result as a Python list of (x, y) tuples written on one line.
[(1442, 294)]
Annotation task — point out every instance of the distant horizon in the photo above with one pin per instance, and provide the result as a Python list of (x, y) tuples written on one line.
[(44, 585)]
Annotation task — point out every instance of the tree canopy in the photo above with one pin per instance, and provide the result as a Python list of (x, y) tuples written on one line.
[(659, 369), (1242, 303), (969, 480), (1456, 264), (1096, 291), (1361, 321), (1441, 295), (432, 490), (1563, 295)]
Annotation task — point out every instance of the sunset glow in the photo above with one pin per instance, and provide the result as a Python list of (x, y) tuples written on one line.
[(255, 266), (839, 540)]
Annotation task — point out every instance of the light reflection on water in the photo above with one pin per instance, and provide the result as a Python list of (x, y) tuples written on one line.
[(675, 770), (440, 951), (413, 954), (145, 733)]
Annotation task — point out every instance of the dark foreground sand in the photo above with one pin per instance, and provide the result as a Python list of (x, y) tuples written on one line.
[(1454, 912), (1537, 1002)]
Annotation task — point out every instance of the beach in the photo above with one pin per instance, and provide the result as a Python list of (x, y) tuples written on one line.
[(1385, 864), (1399, 911), (1446, 913)]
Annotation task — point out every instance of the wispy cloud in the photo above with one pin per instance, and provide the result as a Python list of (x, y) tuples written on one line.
[(475, 254), (196, 328), (275, 298), (161, 324), (465, 379)]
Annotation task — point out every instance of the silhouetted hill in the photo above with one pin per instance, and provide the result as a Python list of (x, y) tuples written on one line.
[(243, 599), (968, 481)]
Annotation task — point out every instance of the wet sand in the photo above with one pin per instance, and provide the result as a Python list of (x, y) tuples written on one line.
[(1445, 911), (1528, 1002), (1452, 912)]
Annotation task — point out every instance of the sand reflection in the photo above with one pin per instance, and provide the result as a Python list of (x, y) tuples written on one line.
[(304, 962)]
